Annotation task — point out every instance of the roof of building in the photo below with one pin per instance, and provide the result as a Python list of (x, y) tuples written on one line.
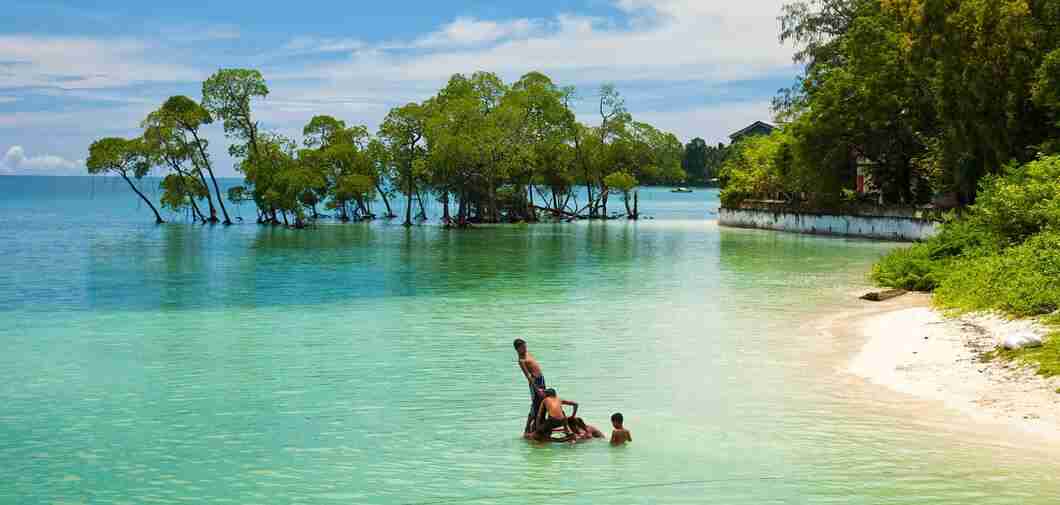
[(757, 125)]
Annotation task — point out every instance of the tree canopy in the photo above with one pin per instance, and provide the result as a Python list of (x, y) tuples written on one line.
[(485, 150)]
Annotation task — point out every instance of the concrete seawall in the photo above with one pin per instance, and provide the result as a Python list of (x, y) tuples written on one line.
[(888, 227)]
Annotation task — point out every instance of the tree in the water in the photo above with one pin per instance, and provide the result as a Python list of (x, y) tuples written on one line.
[(227, 95), (402, 131), (626, 184), (180, 191), (124, 157), (187, 117)]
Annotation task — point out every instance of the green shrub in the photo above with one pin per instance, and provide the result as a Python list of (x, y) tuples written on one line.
[(1003, 253), (910, 268), (1022, 202), (1021, 281)]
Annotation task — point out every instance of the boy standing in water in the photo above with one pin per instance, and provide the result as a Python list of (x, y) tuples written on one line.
[(620, 435), (532, 371)]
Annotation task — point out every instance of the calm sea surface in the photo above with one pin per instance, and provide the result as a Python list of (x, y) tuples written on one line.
[(367, 363)]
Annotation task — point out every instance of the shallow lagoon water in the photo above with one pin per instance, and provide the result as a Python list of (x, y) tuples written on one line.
[(367, 363)]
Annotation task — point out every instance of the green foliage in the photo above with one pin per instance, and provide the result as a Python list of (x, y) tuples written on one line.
[(910, 268), (702, 162), (1020, 280), (934, 95), (621, 181), (1003, 253), (178, 191), (228, 94), (757, 168), (124, 157), (494, 151)]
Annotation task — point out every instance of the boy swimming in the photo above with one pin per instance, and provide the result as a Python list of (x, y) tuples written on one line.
[(619, 435)]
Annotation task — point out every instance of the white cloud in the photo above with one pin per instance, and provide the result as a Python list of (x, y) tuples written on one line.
[(75, 62), (15, 161), (664, 41), (193, 33), (470, 31), (8, 99), (306, 45)]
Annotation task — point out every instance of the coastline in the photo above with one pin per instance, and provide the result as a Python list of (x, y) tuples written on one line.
[(913, 349)]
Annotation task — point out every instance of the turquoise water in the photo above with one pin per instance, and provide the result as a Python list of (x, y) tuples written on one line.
[(367, 363)]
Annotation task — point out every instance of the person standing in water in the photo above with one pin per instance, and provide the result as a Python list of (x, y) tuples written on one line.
[(532, 371), (620, 435)]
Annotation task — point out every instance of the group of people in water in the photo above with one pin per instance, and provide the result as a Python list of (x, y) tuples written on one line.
[(547, 416)]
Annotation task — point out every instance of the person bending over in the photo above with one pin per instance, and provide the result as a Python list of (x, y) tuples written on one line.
[(620, 435), (532, 371), (583, 431), (550, 416)]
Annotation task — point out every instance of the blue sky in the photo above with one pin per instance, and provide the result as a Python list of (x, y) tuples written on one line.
[(70, 74)]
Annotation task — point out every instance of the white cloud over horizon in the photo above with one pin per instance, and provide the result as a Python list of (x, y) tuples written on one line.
[(15, 162)]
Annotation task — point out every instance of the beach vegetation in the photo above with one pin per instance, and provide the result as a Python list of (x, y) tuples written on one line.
[(1002, 253), (1045, 359)]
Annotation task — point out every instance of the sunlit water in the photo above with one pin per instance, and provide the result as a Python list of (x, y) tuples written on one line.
[(366, 363)]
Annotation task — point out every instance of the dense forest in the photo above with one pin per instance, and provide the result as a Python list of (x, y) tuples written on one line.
[(948, 103), (486, 151), (926, 96)]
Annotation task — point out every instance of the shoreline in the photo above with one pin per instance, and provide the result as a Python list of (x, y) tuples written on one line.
[(912, 349)]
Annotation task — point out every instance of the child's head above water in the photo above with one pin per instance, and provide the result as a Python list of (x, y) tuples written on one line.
[(616, 420)]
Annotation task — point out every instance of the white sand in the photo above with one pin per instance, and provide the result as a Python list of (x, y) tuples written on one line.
[(913, 349)]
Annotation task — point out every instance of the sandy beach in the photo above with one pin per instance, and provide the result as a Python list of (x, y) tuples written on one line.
[(913, 349)]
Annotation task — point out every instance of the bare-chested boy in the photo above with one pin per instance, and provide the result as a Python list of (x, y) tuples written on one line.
[(620, 435), (552, 405), (532, 371)]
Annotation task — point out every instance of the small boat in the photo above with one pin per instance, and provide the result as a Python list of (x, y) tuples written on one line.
[(682, 189)]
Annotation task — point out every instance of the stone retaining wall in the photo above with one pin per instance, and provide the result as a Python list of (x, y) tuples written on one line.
[(897, 226)]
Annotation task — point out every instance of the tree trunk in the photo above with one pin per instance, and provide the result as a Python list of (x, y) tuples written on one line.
[(216, 187), (445, 208), (158, 217), (209, 197), (604, 193), (636, 212), (423, 212), (408, 203), (461, 212), (195, 208), (386, 201)]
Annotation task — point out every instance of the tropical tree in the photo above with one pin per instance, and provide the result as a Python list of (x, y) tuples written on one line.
[(186, 117), (124, 157), (227, 95), (402, 132)]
